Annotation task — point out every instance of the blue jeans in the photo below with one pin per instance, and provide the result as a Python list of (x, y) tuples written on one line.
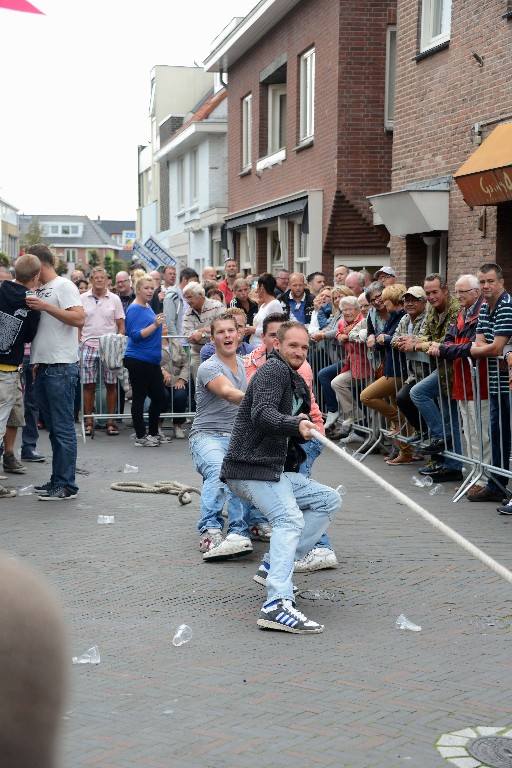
[(30, 432), (325, 376), (55, 387), (499, 418), (299, 511), (208, 453), (423, 395), (313, 449)]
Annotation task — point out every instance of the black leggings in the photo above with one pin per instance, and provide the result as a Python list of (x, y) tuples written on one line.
[(147, 381)]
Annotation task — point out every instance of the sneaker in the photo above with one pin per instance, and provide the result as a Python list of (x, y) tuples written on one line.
[(260, 577), (163, 438), (233, 545), (283, 615), (58, 494), (261, 532), (179, 433), (332, 417), (148, 441), (7, 493), (316, 560), (32, 456), (43, 489), (505, 509), (11, 464), (212, 537)]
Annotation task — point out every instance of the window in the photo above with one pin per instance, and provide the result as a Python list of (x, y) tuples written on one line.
[(435, 23), (181, 183), (389, 105), (194, 177), (276, 117), (247, 131), (64, 230), (70, 255), (54, 229), (307, 95)]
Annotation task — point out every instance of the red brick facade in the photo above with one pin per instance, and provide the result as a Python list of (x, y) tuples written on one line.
[(438, 100), (350, 156)]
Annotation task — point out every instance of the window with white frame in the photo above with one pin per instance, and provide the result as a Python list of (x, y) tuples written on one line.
[(70, 255), (181, 183), (194, 176), (307, 95), (300, 250), (276, 117), (435, 23), (389, 99), (247, 131)]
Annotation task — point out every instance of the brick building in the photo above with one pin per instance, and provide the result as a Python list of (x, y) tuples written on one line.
[(453, 89), (309, 132)]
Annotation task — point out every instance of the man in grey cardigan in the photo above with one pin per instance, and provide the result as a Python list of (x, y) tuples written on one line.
[(262, 466)]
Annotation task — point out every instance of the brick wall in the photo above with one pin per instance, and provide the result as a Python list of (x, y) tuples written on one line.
[(351, 151), (437, 101)]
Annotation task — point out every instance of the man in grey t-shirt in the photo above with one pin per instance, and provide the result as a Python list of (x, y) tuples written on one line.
[(220, 387)]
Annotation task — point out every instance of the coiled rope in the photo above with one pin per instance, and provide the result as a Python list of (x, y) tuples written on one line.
[(172, 487), (401, 497)]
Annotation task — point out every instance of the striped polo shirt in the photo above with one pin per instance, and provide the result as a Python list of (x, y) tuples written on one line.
[(496, 323)]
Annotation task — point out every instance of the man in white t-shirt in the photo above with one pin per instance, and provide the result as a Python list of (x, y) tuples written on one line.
[(54, 352)]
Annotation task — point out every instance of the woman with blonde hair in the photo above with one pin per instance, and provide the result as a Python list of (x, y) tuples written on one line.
[(142, 359)]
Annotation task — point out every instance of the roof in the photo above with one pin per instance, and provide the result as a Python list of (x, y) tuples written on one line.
[(93, 235), (112, 227)]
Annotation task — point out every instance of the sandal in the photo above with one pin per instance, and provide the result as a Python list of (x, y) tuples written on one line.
[(112, 430), (89, 430)]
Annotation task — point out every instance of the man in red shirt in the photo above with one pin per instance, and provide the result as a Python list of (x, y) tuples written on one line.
[(226, 285)]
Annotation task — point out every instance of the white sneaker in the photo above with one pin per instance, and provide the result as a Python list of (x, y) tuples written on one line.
[(233, 545), (261, 532), (148, 441), (179, 433), (332, 418), (316, 560), (163, 438), (212, 537)]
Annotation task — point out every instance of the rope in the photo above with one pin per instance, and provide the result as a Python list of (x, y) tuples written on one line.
[(175, 489), (401, 497)]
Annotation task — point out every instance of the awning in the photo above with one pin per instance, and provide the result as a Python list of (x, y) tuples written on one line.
[(411, 211), (266, 214), (486, 177)]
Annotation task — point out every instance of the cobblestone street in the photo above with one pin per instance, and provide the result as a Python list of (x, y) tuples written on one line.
[(361, 694)]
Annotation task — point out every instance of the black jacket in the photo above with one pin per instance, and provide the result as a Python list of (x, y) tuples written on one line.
[(284, 298), (18, 323)]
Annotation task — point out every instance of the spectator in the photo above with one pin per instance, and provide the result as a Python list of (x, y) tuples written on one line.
[(430, 396), (386, 276), (165, 281), (267, 305), (297, 301), (176, 373), (55, 351), (356, 282), (19, 327), (210, 274), (340, 274), (77, 275), (82, 284), (376, 320), (197, 320), (322, 309), (124, 289), (103, 314), (217, 295), (315, 281), (241, 300), (380, 396), (142, 359), (456, 347), (174, 303), (272, 421), (226, 285), (493, 331), (220, 387), (282, 280)]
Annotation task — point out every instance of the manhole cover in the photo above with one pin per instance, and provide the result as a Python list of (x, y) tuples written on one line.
[(494, 751)]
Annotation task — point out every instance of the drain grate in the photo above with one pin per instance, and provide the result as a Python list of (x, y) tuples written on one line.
[(493, 751)]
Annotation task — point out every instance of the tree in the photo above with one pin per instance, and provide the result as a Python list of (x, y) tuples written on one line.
[(4, 261), (61, 268), (94, 259), (33, 235), (109, 264)]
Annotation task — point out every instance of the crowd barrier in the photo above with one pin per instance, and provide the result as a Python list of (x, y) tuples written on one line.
[(466, 421)]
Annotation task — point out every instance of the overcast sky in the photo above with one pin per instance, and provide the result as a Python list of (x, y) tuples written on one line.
[(75, 96)]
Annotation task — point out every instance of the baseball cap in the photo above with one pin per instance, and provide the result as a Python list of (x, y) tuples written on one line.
[(386, 270), (416, 291)]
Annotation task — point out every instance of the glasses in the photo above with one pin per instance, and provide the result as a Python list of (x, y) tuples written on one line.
[(459, 293), (375, 298), (120, 282)]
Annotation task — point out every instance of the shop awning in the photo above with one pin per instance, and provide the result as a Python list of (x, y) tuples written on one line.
[(414, 210), (486, 176), (236, 221)]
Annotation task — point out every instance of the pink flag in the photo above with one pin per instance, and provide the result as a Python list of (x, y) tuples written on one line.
[(19, 5)]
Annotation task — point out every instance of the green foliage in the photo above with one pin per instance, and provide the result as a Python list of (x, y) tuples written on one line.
[(33, 235), (4, 261), (94, 259), (61, 268)]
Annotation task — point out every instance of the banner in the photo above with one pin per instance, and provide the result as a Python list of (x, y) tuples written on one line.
[(144, 255), (158, 252)]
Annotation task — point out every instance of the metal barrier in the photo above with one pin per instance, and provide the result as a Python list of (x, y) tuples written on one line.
[(100, 392)]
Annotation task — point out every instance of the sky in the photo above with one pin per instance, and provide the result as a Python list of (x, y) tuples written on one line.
[(75, 96)]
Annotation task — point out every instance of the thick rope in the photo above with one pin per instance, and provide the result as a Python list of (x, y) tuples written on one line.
[(401, 497), (175, 489)]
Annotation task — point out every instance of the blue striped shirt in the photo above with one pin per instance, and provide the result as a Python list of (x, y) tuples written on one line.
[(497, 322)]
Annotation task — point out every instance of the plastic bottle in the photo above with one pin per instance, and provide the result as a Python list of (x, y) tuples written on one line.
[(183, 635)]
